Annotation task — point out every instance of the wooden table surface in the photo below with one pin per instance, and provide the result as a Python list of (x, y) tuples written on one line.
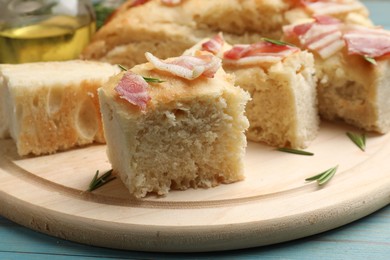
[(367, 238)]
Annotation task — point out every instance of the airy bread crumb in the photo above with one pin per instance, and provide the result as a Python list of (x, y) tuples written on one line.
[(355, 91), (283, 110)]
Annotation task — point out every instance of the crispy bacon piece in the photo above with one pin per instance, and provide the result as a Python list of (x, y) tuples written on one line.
[(171, 2), (138, 2), (186, 66), (330, 7), (324, 19), (214, 45), (323, 35), (370, 42), (134, 89), (256, 53)]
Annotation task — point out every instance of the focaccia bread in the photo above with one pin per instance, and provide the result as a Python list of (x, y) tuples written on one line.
[(167, 30), (283, 110), (353, 70), (356, 91), (282, 83), (176, 134), (52, 106)]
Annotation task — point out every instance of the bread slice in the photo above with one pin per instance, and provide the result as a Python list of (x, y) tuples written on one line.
[(167, 31), (283, 110), (350, 87), (282, 83), (191, 133), (51, 106)]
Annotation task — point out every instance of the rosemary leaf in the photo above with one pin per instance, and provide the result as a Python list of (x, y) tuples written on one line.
[(147, 79), (294, 151), (316, 177), (323, 177), (122, 67), (100, 181), (277, 42), (370, 60), (94, 178), (153, 80), (358, 139)]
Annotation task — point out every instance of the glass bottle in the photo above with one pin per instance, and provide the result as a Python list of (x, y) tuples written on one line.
[(44, 30)]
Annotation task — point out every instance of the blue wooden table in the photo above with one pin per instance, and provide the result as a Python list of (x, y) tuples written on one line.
[(367, 238)]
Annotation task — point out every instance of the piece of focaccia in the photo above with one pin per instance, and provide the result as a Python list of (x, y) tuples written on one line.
[(281, 80), (282, 83), (186, 131), (353, 70), (51, 106)]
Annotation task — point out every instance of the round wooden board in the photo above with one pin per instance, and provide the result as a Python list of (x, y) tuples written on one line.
[(273, 204)]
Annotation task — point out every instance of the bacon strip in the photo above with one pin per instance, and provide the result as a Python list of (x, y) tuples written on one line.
[(257, 53), (188, 67), (134, 89), (171, 2), (370, 42), (138, 2), (214, 45), (331, 7), (323, 35)]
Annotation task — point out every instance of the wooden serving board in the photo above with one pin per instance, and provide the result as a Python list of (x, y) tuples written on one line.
[(273, 204)]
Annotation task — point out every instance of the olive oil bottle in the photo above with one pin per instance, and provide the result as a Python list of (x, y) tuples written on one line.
[(44, 30), (57, 38)]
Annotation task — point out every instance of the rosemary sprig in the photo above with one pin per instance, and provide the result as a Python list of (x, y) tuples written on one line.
[(294, 151), (358, 139), (370, 60), (323, 177), (277, 42), (147, 79), (100, 181)]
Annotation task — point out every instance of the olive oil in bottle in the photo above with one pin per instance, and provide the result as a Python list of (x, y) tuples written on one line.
[(58, 38)]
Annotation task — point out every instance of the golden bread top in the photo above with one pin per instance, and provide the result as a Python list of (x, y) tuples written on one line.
[(43, 74), (173, 89)]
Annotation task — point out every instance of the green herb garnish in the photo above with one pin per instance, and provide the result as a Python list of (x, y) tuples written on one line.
[(358, 139), (277, 42), (294, 151), (122, 67), (102, 13), (370, 60), (100, 181), (147, 79), (153, 80), (323, 177)]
